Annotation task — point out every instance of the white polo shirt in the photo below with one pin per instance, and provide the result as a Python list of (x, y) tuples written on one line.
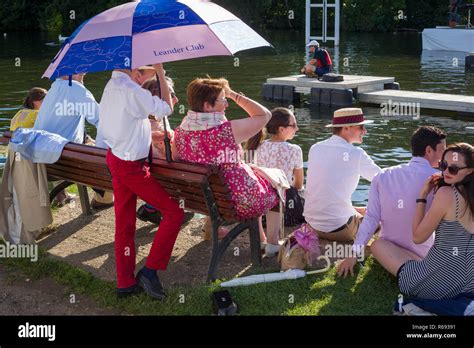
[(124, 109), (334, 170)]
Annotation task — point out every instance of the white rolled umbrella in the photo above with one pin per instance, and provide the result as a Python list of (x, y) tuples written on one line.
[(275, 277)]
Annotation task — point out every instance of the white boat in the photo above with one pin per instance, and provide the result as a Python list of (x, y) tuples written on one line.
[(448, 39)]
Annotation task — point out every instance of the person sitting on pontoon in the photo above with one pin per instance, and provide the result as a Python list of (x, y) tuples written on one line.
[(320, 64)]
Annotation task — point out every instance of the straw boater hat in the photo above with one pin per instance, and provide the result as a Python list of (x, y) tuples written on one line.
[(348, 117)]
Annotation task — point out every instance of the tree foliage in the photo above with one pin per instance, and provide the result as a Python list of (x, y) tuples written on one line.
[(64, 16)]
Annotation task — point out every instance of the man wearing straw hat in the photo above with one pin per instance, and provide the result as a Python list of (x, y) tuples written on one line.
[(334, 168)]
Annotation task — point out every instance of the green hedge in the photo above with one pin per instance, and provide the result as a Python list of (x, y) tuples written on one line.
[(357, 15)]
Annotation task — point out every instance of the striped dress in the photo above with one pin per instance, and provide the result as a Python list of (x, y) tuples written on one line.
[(448, 269)]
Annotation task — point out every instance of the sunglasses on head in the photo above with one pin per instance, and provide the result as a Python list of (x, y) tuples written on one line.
[(453, 170)]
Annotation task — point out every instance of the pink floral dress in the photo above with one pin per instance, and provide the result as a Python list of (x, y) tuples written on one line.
[(251, 194)]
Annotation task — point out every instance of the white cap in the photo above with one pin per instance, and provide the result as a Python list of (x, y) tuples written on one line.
[(313, 43)]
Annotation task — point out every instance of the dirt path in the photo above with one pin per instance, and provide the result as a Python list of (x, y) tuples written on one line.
[(88, 242), (22, 296)]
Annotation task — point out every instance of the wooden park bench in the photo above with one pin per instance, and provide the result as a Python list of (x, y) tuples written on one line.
[(201, 188)]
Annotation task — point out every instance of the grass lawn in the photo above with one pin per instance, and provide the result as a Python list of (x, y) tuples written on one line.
[(372, 292)]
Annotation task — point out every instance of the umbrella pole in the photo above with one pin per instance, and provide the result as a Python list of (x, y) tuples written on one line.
[(167, 142)]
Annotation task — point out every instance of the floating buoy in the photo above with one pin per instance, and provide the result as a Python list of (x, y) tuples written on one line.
[(5, 35)]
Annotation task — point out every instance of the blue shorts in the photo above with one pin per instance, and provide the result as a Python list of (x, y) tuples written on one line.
[(322, 71)]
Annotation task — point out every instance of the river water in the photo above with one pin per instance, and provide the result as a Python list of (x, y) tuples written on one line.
[(25, 56)]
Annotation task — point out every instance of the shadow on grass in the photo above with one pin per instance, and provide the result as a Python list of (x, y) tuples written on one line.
[(236, 261), (371, 292)]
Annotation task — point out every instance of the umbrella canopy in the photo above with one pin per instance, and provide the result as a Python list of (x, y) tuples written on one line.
[(152, 31)]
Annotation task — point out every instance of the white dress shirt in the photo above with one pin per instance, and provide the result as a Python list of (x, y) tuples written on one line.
[(124, 109), (334, 170), (392, 203)]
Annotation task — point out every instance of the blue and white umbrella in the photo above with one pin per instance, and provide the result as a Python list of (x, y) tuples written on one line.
[(152, 31)]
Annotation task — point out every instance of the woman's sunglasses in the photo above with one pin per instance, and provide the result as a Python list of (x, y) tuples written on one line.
[(453, 170)]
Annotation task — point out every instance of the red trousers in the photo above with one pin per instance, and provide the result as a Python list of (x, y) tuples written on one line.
[(130, 180)]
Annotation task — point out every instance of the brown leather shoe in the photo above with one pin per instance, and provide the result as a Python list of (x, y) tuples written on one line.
[(100, 206)]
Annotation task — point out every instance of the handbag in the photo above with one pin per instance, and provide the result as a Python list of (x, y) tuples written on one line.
[(294, 207), (299, 249)]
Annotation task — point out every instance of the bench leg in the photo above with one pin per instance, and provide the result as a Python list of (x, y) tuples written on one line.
[(84, 198), (217, 252), (254, 235), (219, 247)]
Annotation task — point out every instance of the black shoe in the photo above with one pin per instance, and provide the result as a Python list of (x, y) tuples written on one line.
[(152, 286), (144, 215), (127, 292)]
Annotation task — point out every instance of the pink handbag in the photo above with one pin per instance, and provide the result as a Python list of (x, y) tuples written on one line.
[(299, 249)]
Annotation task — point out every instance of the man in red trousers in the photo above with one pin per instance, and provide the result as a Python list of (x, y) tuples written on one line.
[(126, 130)]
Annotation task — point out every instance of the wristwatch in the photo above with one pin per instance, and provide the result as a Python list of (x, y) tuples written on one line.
[(421, 200)]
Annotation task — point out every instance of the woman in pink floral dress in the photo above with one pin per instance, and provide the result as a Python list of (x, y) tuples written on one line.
[(205, 136)]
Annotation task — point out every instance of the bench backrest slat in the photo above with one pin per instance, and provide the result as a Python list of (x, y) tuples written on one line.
[(86, 165)]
